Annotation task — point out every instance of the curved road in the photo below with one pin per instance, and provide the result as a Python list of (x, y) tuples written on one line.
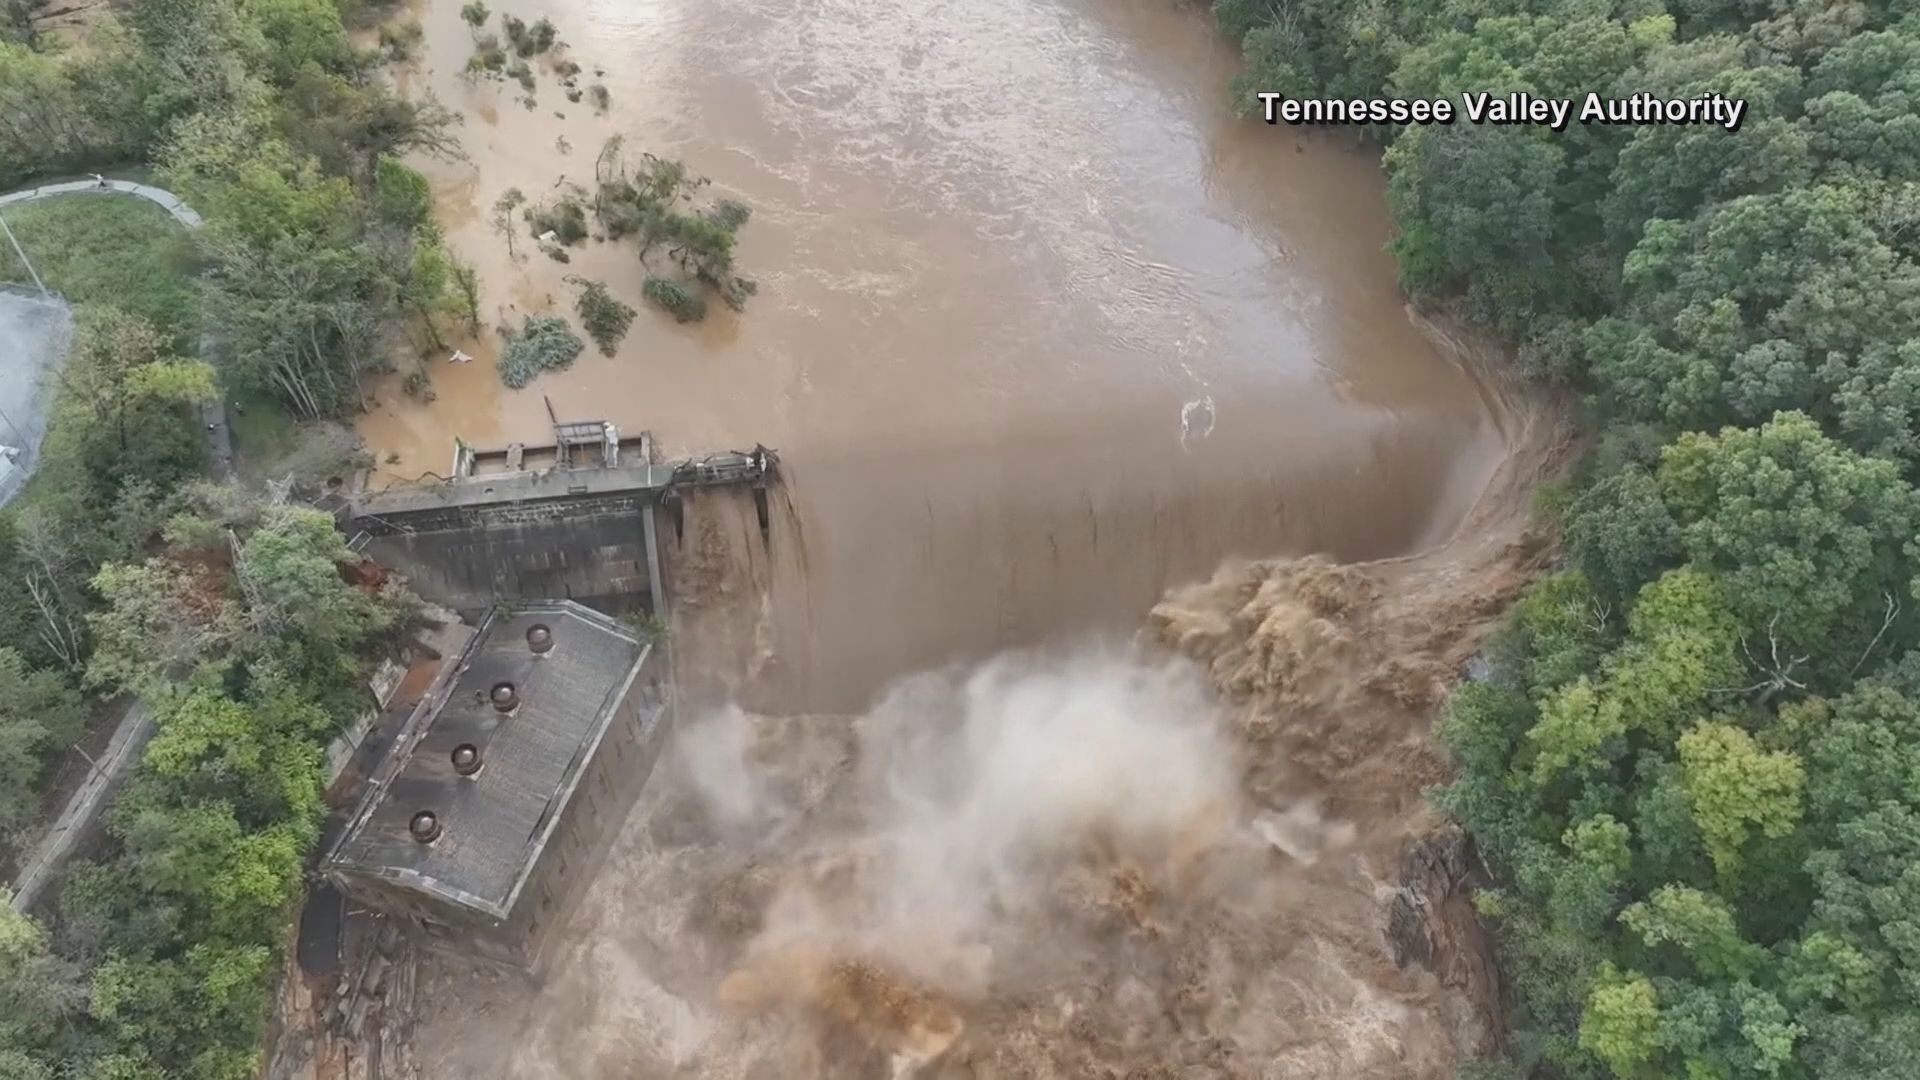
[(166, 200), (213, 414)]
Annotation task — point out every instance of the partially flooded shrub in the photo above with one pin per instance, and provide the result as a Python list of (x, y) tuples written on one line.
[(544, 343), (487, 56), (566, 220), (399, 39), (685, 305), (528, 40), (605, 317)]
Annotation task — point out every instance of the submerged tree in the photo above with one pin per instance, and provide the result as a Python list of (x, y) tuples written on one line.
[(605, 318), (653, 206), (466, 285), (502, 219), (674, 297), (543, 343)]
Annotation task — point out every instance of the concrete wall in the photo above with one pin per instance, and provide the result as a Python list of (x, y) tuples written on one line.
[(600, 806), (437, 924), (589, 548), (81, 816)]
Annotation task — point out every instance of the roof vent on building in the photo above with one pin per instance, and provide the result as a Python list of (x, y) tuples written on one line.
[(504, 696), (539, 638), (466, 759), (425, 827)]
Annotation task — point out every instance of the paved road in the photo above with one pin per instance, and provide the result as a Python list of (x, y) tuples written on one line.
[(166, 200), (213, 415)]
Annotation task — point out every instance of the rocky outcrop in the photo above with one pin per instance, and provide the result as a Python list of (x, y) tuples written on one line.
[(1432, 924)]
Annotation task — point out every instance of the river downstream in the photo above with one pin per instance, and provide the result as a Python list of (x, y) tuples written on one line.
[(1042, 329)]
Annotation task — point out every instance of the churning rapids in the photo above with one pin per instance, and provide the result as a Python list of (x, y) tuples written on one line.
[(1043, 332)]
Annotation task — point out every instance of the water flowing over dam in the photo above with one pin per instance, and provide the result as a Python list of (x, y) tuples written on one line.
[(1043, 327), (1046, 336)]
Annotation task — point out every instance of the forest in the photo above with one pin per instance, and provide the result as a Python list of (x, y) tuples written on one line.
[(1694, 770), (125, 571)]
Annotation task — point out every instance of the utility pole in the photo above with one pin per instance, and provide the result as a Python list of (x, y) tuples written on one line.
[(24, 261)]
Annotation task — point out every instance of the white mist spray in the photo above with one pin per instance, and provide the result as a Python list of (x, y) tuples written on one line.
[(980, 791)]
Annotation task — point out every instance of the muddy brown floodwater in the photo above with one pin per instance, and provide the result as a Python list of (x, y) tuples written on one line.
[(1043, 328), (1043, 332)]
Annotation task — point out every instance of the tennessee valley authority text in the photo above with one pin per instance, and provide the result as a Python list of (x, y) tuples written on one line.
[(1517, 108)]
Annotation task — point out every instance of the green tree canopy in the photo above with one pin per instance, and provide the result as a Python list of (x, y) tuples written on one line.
[(1810, 538), (39, 713), (1788, 301)]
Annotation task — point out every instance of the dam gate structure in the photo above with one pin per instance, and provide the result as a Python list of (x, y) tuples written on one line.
[(574, 519)]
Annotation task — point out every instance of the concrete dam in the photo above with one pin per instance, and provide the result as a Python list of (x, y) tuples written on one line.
[(575, 519), (530, 744)]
